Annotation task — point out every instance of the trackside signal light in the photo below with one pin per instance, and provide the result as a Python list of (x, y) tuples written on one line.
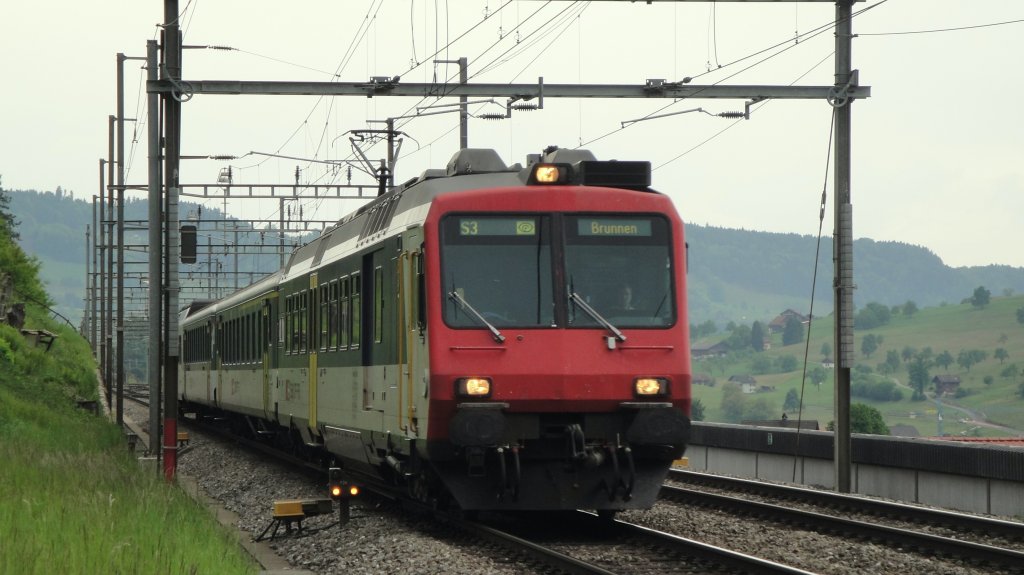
[(473, 387), (650, 386), (335, 483)]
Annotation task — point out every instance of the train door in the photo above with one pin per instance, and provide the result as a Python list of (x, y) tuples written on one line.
[(374, 340), (313, 336), (265, 341), (217, 344), (209, 352), (411, 348)]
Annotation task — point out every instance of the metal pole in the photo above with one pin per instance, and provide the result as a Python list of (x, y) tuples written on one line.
[(155, 251), (101, 271), (172, 137), (463, 105), (109, 242), (88, 292), (120, 239), (843, 245), (280, 230), (93, 329)]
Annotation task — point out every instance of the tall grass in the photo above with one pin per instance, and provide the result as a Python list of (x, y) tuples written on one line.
[(72, 500)]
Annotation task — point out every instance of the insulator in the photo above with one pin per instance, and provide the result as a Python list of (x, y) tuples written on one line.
[(525, 107), (732, 115), (491, 116)]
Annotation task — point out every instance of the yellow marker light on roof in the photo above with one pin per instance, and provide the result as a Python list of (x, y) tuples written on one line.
[(650, 386), (547, 174), (473, 387)]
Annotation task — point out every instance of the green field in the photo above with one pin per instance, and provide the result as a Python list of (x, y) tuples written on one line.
[(951, 328)]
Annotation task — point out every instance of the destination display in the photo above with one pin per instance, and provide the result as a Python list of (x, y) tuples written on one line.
[(497, 227), (613, 227)]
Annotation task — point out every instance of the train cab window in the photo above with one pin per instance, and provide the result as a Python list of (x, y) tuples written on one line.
[(621, 266), (499, 266)]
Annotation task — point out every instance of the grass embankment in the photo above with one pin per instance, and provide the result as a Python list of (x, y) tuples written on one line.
[(986, 388), (72, 499)]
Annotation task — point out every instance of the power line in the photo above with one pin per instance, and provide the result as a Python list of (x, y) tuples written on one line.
[(940, 29)]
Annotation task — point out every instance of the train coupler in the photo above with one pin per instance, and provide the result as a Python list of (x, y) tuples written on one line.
[(475, 462), (621, 483)]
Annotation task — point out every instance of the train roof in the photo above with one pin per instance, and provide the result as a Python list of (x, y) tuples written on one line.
[(407, 204)]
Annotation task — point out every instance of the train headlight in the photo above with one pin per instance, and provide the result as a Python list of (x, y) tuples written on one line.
[(473, 387), (650, 386), (549, 174)]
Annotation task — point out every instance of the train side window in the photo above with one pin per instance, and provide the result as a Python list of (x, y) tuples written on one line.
[(303, 322), (332, 317), (355, 333), (344, 314), (324, 304), (421, 290), (290, 326)]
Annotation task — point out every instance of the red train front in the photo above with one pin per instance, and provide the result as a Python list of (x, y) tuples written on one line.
[(558, 344)]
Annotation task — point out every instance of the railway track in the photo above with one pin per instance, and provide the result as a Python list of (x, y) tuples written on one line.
[(583, 543), (977, 540)]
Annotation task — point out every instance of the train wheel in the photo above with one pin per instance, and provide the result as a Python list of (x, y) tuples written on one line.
[(607, 514)]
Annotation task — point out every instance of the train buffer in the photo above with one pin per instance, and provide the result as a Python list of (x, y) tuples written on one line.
[(290, 513)]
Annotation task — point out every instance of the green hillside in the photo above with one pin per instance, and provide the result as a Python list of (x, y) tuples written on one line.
[(734, 275), (990, 391)]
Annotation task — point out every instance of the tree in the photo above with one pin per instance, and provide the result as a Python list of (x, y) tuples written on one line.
[(909, 309), (788, 363), (867, 419), (826, 349), (792, 401), (1009, 372), (697, 411), (818, 375), (757, 336), (919, 376), (734, 403), (988, 380), (873, 315), (1001, 354), (981, 297), (968, 358), (793, 332), (944, 359), (760, 410), (908, 353), (892, 360), (1020, 315), (869, 345), (864, 419), (7, 221)]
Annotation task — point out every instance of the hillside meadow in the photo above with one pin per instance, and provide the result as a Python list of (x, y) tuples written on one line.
[(988, 392)]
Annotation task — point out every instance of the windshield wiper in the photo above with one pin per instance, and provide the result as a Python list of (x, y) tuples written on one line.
[(593, 313), (454, 296)]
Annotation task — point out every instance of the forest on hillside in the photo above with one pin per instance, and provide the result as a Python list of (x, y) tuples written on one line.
[(733, 275)]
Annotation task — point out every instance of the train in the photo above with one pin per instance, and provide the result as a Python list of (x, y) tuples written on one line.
[(480, 337)]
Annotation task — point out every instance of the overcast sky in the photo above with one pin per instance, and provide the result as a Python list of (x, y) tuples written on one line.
[(937, 148)]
